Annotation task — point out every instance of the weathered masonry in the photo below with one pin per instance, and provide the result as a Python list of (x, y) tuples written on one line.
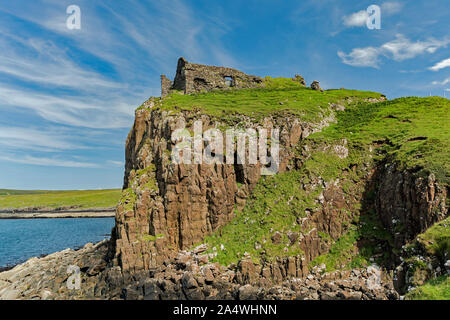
[(196, 78)]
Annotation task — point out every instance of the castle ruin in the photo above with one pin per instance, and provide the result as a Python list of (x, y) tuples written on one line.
[(196, 78)]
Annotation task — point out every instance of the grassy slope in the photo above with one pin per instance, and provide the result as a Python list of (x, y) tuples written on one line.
[(398, 121), (401, 121), (279, 95), (436, 242), (436, 289), (7, 192), (54, 199)]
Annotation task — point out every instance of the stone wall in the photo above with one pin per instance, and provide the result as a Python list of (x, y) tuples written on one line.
[(195, 78), (166, 84)]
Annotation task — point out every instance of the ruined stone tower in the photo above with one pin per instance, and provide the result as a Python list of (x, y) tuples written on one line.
[(195, 78)]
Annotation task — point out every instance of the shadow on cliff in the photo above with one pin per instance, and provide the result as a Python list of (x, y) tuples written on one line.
[(376, 243)]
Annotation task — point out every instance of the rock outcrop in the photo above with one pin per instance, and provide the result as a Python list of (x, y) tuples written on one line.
[(189, 276), (46, 278), (316, 86), (409, 205)]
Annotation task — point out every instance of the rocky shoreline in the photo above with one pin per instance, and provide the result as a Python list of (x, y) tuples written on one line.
[(187, 276)]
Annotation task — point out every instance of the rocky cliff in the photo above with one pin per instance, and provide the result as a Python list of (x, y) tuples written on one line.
[(169, 207)]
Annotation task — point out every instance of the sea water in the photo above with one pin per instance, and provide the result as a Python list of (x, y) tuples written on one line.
[(21, 239)]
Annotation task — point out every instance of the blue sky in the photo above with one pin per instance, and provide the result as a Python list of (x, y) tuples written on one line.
[(67, 97)]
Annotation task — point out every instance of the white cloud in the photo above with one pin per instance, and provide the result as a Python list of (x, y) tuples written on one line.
[(50, 162), (402, 48), (442, 83), (155, 35), (441, 65), (391, 7), (125, 42), (398, 49), (116, 163), (43, 62), (361, 57), (33, 139), (357, 19), (74, 111)]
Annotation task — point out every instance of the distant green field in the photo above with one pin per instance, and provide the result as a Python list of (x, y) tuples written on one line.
[(54, 199)]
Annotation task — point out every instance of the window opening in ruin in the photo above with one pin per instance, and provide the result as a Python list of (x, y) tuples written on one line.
[(228, 81)]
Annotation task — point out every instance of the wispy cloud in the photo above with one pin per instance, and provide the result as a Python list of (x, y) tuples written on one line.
[(391, 7), (398, 49), (49, 162), (361, 57), (441, 65), (34, 139), (69, 110), (128, 43), (358, 19), (402, 48), (43, 62), (442, 83), (116, 163)]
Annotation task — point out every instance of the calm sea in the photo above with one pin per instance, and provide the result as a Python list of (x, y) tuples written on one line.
[(21, 239)]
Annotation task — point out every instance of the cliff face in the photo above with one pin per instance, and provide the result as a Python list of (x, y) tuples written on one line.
[(409, 205), (168, 206)]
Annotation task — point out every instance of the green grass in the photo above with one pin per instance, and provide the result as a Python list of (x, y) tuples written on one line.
[(341, 253), (355, 248), (7, 192), (417, 131), (398, 121), (436, 289), (54, 199), (275, 205), (436, 240), (281, 95)]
